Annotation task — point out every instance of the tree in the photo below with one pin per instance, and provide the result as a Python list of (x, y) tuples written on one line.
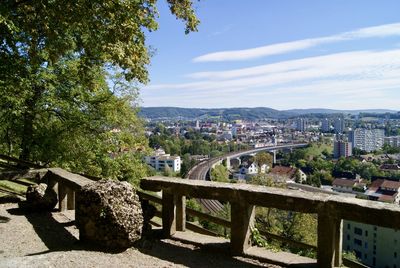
[(167, 172), (220, 173), (263, 158), (67, 73)]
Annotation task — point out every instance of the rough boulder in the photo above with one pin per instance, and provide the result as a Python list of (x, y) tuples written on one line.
[(40, 198), (109, 214)]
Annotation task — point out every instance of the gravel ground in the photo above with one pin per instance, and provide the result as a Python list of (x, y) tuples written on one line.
[(51, 240)]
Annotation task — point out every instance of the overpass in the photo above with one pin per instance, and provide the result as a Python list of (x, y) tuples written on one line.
[(200, 171)]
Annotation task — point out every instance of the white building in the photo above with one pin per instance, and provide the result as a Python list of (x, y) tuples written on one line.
[(159, 160), (343, 185), (252, 168), (393, 141), (367, 139)]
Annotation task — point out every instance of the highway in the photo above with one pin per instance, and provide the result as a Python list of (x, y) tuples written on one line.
[(199, 171)]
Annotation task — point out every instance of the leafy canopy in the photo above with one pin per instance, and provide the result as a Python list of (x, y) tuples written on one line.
[(68, 77)]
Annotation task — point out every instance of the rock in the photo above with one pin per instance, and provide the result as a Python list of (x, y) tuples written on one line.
[(40, 198), (109, 214)]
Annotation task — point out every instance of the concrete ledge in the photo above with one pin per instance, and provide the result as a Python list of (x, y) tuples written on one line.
[(220, 244), (74, 181), (280, 258)]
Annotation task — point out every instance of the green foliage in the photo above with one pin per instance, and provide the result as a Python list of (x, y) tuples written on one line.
[(351, 256), (186, 165), (295, 226), (257, 238), (68, 77), (220, 173), (263, 158), (315, 179), (262, 179), (193, 204), (291, 225), (387, 149), (225, 213)]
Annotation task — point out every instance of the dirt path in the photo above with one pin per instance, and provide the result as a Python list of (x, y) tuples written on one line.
[(51, 240)]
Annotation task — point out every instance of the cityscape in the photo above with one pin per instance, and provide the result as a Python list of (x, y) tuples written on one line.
[(352, 155)]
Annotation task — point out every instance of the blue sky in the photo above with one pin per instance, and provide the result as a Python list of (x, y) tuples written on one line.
[(282, 54)]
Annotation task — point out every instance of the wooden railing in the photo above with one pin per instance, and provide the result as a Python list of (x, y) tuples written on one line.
[(331, 211), (66, 185)]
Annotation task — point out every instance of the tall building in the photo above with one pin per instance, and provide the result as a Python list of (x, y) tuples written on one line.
[(301, 124), (367, 139), (339, 125), (342, 148), (393, 141), (325, 127)]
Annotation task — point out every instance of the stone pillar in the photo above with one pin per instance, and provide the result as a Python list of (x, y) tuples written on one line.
[(168, 214), (242, 219), (329, 240), (180, 202), (228, 163), (274, 157), (338, 243), (70, 199), (62, 197)]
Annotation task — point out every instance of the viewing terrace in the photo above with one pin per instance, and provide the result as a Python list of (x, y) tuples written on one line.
[(243, 198)]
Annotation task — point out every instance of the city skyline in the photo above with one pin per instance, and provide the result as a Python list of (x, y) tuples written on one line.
[(281, 55)]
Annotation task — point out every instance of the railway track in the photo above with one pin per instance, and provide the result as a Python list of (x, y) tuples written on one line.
[(199, 171)]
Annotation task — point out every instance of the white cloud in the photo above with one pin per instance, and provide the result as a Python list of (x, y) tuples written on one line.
[(281, 48), (358, 65), (359, 77)]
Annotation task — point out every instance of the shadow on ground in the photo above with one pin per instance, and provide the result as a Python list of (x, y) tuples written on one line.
[(54, 234), (58, 238), (197, 257)]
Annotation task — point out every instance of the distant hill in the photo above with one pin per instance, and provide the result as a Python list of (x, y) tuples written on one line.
[(331, 111), (222, 113), (240, 113)]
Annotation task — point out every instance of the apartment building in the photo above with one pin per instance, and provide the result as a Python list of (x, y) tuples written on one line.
[(367, 139), (301, 124), (339, 125), (393, 141), (342, 149), (375, 246), (325, 127)]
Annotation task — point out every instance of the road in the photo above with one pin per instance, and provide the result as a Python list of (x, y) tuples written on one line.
[(199, 172)]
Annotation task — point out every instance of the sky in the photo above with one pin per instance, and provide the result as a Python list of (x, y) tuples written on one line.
[(281, 54)]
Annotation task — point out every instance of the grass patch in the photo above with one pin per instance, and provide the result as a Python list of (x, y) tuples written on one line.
[(316, 149), (12, 187)]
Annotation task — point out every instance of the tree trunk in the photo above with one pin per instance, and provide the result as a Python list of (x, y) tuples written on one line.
[(28, 120)]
